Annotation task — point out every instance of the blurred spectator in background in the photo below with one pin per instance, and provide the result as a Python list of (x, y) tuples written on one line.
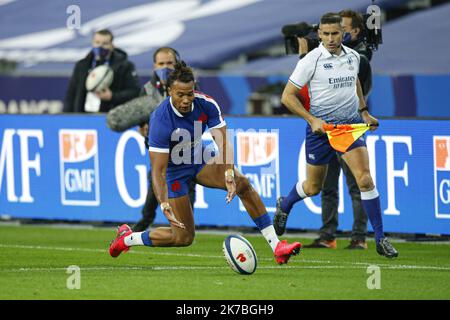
[(164, 60), (353, 25), (124, 87)]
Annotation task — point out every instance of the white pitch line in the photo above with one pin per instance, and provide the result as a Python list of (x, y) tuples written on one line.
[(170, 268), (177, 268), (104, 251), (350, 264), (131, 268)]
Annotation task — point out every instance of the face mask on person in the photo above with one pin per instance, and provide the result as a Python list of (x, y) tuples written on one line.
[(100, 53), (163, 73), (347, 38)]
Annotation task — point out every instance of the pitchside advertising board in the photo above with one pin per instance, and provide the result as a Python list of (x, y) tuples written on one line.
[(75, 168)]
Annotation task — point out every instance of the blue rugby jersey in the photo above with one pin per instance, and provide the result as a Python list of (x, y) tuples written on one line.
[(169, 129)]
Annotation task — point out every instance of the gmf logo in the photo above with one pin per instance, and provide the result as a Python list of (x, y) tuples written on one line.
[(78, 159), (258, 160), (441, 148)]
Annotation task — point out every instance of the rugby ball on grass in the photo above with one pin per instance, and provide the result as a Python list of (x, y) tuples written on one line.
[(99, 78), (240, 255)]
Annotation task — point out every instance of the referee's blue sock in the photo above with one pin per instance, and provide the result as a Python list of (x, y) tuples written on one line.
[(297, 194), (370, 201)]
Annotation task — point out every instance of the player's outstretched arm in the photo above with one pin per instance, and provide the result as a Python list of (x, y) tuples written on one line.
[(159, 163)]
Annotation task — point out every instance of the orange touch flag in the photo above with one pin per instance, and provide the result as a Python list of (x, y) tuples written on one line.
[(342, 136)]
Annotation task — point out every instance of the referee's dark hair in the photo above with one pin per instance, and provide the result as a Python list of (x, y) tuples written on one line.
[(182, 73), (331, 18)]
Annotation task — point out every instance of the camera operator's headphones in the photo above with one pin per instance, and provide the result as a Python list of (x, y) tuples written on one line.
[(175, 53)]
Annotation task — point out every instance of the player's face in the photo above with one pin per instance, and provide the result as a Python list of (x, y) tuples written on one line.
[(331, 36), (164, 60), (182, 96)]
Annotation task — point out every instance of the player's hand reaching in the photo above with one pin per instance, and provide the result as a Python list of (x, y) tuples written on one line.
[(230, 184), (317, 126), (167, 210)]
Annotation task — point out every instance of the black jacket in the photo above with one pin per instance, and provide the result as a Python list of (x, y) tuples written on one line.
[(365, 71), (125, 85)]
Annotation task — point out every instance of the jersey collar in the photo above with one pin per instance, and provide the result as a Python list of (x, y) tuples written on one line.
[(175, 109), (327, 53)]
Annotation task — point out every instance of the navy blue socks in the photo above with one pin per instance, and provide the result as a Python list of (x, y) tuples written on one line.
[(297, 194), (370, 201)]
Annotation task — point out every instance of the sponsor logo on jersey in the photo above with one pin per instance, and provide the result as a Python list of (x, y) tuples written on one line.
[(350, 60)]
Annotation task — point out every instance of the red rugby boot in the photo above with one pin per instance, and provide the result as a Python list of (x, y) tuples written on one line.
[(118, 245), (285, 250)]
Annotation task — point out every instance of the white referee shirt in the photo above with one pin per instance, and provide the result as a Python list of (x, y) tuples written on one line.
[(331, 83)]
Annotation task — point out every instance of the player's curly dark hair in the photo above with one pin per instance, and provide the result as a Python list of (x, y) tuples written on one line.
[(182, 73)]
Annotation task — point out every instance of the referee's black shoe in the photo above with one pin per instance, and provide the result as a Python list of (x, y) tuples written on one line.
[(385, 248), (280, 219)]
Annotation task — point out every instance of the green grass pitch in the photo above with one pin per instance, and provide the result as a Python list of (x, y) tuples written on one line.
[(34, 262)]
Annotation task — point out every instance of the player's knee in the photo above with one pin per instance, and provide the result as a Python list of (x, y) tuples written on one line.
[(312, 189), (183, 240), (365, 182), (315, 191)]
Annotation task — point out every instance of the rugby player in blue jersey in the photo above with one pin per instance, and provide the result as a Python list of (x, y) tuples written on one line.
[(177, 156), (331, 73)]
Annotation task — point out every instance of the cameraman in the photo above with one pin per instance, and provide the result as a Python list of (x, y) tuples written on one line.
[(353, 24)]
